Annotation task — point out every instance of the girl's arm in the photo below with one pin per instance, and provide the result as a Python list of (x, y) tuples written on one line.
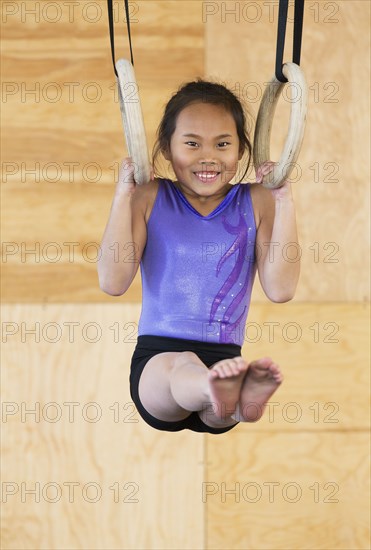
[(278, 250), (125, 235)]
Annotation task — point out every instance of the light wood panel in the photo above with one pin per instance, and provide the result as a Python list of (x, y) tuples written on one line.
[(76, 143), (84, 124), (332, 187), (323, 352), (288, 491), (86, 431), (74, 140), (316, 433), (299, 478), (78, 140), (58, 272)]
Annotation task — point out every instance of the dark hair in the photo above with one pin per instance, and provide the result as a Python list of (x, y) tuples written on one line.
[(205, 92)]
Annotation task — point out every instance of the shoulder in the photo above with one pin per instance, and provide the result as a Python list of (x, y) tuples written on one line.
[(262, 202), (145, 196)]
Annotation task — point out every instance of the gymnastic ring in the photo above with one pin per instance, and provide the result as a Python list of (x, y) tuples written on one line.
[(294, 138), (132, 119)]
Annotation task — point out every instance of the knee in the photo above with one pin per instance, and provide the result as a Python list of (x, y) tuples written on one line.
[(184, 358)]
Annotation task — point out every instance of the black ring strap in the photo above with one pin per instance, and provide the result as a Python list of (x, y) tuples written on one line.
[(112, 34), (281, 35)]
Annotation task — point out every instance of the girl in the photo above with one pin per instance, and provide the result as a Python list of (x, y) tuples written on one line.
[(199, 241)]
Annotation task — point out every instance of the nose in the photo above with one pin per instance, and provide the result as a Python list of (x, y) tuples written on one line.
[(207, 154), (208, 157)]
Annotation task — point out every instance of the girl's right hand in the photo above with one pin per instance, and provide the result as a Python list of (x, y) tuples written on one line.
[(126, 184)]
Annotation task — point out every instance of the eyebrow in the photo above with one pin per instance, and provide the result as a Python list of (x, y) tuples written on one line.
[(216, 137)]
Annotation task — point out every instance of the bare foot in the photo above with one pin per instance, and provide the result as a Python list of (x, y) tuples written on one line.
[(225, 381), (262, 379)]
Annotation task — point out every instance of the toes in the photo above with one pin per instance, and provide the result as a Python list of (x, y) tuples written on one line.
[(242, 365), (275, 369), (237, 365), (217, 372), (229, 367), (264, 364), (265, 369), (213, 373), (221, 371)]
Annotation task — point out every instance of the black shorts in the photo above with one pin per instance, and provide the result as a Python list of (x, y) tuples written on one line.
[(209, 353)]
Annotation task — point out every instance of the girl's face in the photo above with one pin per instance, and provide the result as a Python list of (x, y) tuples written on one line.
[(204, 149)]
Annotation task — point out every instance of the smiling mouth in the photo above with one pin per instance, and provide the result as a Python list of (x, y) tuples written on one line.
[(206, 176)]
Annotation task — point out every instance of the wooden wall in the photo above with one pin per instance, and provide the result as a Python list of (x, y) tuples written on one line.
[(60, 157), (101, 477)]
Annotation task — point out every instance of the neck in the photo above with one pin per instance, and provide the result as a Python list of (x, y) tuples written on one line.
[(189, 194)]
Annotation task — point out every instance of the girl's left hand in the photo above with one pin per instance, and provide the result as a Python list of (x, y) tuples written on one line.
[(282, 192)]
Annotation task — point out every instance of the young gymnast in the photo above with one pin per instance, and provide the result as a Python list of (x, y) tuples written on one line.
[(199, 240)]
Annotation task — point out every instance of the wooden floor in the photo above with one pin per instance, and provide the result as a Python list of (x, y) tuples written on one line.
[(82, 470)]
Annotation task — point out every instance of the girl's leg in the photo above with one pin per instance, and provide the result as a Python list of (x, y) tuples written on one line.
[(173, 385), (154, 389)]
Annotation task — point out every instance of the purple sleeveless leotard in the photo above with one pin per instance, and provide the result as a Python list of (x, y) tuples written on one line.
[(198, 271)]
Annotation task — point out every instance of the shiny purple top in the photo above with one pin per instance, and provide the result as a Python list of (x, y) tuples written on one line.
[(198, 271)]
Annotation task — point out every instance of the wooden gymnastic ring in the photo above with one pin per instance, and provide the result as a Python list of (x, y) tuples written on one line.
[(132, 120), (294, 138)]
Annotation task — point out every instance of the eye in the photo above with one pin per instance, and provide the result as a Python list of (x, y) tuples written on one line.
[(191, 143), (223, 144)]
